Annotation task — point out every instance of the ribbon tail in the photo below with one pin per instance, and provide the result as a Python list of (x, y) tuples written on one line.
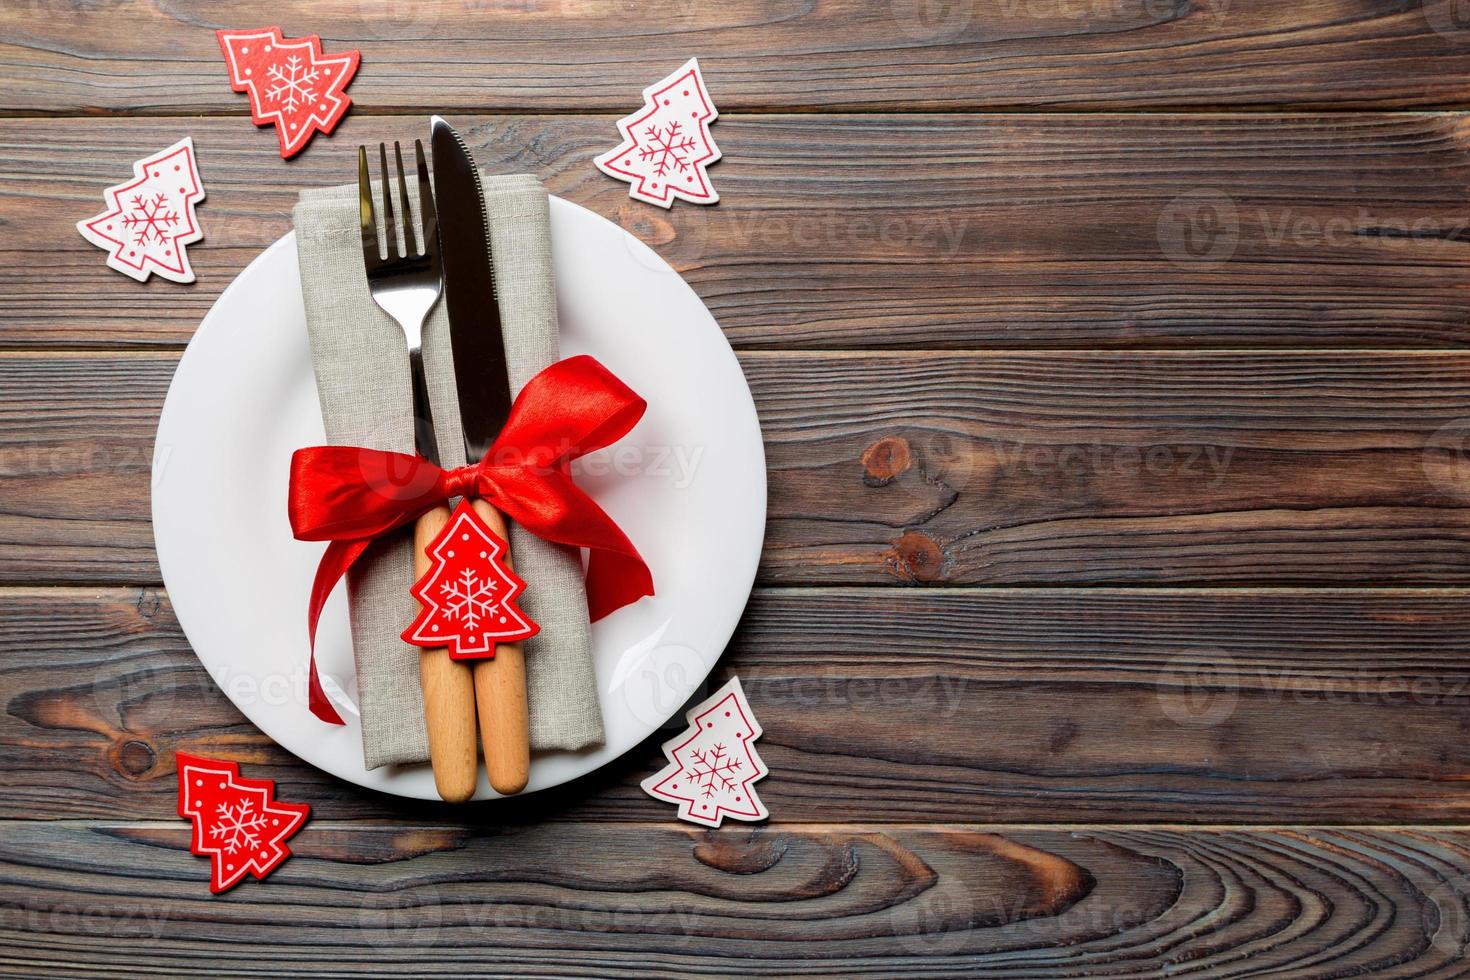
[(338, 557), (614, 579)]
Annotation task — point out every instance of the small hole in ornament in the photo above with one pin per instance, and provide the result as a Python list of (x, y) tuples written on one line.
[(221, 785), (198, 782), (267, 49), (293, 125), (502, 619), (483, 555), (450, 553), (275, 823), (249, 71), (464, 537), (229, 867)]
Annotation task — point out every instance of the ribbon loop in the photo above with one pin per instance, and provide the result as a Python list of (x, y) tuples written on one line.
[(349, 496)]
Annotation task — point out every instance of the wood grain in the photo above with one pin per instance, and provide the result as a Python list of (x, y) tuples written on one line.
[(570, 898), (907, 231), (70, 56), (999, 469), (879, 705)]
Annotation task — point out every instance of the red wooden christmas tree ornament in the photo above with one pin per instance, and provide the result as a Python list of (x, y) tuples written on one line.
[(238, 824), (290, 82), (468, 594)]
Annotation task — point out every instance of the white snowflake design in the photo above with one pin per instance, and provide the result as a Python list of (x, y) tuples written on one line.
[(293, 84), (469, 598), (713, 770), (148, 217), (667, 147), (239, 826)]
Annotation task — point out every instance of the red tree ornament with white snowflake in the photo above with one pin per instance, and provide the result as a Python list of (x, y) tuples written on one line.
[(238, 824), (468, 595), (713, 763), (667, 144), (290, 82), (150, 218)]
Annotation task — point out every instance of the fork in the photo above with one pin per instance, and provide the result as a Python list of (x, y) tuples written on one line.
[(406, 285)]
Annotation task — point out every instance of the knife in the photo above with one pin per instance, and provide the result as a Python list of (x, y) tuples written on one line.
[(482, 383)]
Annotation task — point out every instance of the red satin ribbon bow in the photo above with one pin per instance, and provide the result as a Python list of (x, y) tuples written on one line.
[(351, 496)]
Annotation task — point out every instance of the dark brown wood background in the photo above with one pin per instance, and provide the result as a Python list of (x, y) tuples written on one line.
[(1113, 359)]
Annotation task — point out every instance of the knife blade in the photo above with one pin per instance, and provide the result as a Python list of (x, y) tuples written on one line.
[(482, 382), (481, 378)]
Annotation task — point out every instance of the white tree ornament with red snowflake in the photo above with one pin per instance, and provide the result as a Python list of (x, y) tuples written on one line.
[(713, 763), (667, 144), (238, 824), (468, 596), (290, 81), (150, 218)]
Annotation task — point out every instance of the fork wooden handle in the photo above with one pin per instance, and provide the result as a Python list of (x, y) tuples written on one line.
[(500, 691), (449, 692)]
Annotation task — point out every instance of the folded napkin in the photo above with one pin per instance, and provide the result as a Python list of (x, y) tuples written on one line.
[(363, 381)]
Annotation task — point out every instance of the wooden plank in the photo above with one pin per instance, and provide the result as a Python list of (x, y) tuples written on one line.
[(889, 705), (559, 899), (134, 57), (1002, 231), (1004, 469)]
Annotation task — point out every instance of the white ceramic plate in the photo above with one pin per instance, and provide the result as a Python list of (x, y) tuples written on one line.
[(687, 484)]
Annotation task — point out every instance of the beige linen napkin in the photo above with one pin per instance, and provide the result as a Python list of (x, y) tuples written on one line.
[(363, 381)]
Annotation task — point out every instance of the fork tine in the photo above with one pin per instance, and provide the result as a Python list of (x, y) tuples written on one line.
[(430, 230), (408, 248), (388, 223), (367, 224)]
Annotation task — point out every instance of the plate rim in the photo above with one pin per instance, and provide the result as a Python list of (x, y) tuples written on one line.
[(723, 633)]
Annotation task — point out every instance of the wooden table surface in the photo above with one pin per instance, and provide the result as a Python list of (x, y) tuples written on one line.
[(1113, 362)]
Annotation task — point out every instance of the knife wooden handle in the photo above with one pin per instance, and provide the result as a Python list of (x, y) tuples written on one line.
[(449, 692), (500, 691)]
